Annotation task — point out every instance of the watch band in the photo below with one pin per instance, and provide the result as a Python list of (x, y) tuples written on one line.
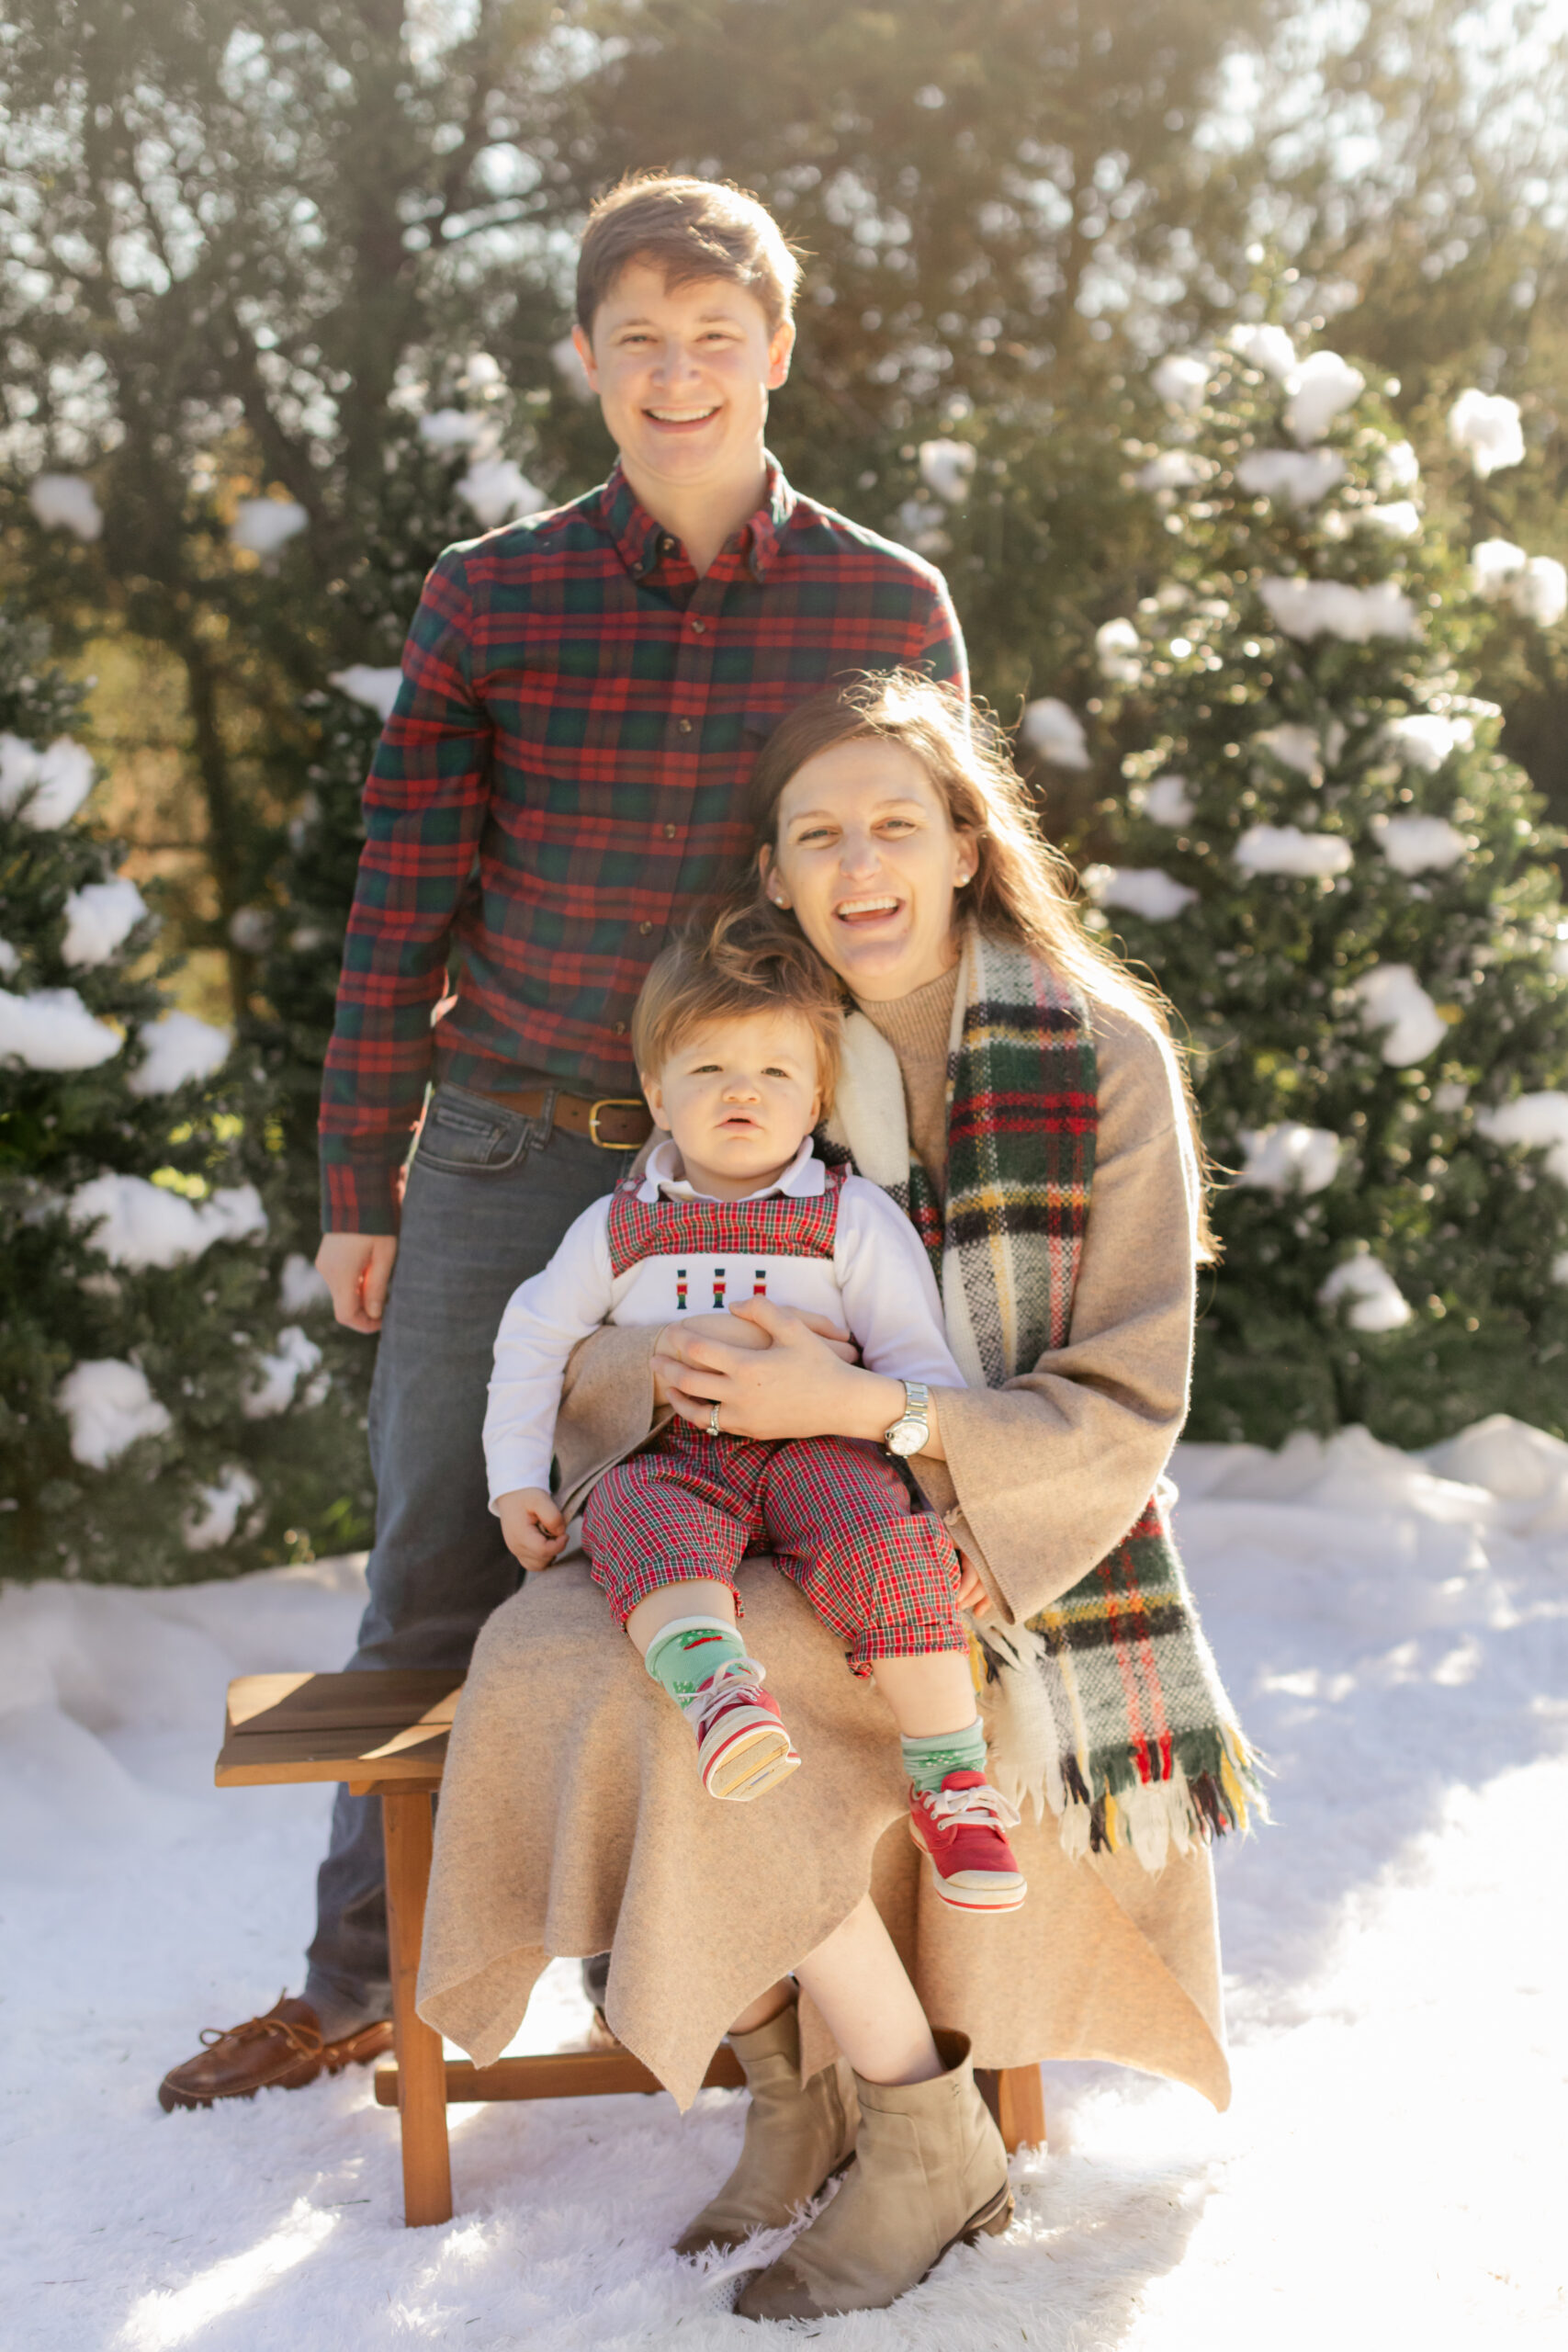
[(910, 1431)]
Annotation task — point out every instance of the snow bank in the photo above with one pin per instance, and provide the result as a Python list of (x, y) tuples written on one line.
[(137, 1224), (52, 1029), (1055, 731), (1394, 1001), (109, 1405), (100, 918), (47, 788), (178, 1049)]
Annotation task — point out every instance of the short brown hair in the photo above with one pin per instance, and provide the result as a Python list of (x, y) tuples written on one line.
[(691, 230), (744, 966)]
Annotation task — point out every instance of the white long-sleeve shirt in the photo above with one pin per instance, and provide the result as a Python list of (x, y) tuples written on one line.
[(877, 1283)]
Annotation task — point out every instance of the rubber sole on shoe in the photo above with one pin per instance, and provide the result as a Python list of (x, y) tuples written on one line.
[(1002, 1895), (754, 1762)]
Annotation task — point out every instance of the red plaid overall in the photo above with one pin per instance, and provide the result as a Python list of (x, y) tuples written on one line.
[(833, 1511)]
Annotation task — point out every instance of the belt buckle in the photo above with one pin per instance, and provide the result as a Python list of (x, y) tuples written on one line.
[(612, 1103)]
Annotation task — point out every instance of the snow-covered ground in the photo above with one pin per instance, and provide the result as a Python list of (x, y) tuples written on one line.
[(1397, 1634)]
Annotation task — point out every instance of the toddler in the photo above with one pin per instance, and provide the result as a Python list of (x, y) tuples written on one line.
[(737, 1041)]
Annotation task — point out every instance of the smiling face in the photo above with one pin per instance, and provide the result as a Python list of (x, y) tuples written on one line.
[(683, 375), (740, 1097), (870, 861)]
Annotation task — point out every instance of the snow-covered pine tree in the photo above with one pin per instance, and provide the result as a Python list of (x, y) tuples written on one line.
[(158, 1389), (1342, 886)]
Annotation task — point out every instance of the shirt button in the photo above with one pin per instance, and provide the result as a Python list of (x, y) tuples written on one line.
[(684, 726), (645, 928), (668, 832), (620, 1028), (699, 626)]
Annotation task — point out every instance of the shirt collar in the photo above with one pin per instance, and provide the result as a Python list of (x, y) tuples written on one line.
[(804, 1179), (639, 541)]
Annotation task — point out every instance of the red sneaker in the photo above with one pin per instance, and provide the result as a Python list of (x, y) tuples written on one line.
[(964, 1830), (743, 1748)]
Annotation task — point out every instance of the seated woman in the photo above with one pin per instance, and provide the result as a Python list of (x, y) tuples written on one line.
[(1014, 1090)]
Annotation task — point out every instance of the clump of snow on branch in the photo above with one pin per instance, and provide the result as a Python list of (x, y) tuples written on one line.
[(9, 959), (1485, 427), (252, 928), (1420, 845), (1118, 651), (99, 917), (109, 1405), (1425, 739), (177, 1049), (945, 468), (136, 1224), (218, 1511), (66, 502), (1055, 732), (47, 788), (1377, 1301), (1172, 469), (1285, 849), (278, 1375), (1144, 890), (1166, 800), (498, 491), (301, 1287), (1311, 608), (263, 526), (52, 1029), (451, 428), (1538, 1120), (1182, 380), (1290, 1158), (1536, 586), (1302, 476), (1269, 349), (1324, 387), (1399, 520), (374, 689), (1398, 469), (1394, 1001), (1293, 746)]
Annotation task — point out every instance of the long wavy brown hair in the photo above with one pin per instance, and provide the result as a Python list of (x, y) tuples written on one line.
[(1024, 888)]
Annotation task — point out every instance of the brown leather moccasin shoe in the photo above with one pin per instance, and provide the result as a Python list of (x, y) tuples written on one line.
[(283, 2050)]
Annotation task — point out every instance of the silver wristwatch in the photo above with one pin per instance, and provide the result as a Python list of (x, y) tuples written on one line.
[(913, 1428)]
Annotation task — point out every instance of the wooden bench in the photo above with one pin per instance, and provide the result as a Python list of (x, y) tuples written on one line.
[(385, 1735)]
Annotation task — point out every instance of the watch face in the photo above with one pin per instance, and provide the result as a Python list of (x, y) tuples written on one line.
[(905, 1437)]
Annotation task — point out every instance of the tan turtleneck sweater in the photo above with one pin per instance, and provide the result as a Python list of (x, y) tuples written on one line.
[(918, 1027)]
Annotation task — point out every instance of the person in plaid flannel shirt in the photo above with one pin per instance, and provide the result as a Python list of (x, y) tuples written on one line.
[(560, 782)]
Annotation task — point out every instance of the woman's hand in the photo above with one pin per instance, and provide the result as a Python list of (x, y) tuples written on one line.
[(732, 1327), (799, 1384)]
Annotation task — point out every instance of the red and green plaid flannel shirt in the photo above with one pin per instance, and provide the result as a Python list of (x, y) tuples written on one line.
[(560, 783)]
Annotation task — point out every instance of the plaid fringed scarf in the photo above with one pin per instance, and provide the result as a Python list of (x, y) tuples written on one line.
[(1107, 1706)]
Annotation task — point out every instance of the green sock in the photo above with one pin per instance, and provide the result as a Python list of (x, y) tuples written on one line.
[(928, 1762), (682, 1655)]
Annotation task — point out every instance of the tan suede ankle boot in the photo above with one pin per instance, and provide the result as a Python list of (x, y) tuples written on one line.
[(930, 2168), (798, 2136)]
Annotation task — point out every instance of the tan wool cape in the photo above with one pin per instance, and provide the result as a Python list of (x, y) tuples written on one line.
[(572, 1819)]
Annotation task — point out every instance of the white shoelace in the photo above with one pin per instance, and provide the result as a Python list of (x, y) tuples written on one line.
[(741, 1676), (949, 1806)]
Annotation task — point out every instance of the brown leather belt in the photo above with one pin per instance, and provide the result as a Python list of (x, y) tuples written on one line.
[(615, 1121)]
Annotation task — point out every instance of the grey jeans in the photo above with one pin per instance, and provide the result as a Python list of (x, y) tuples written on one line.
[(490, 1197)]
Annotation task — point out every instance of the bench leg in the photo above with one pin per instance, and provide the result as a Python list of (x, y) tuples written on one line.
[(1019, 2107), (422, 2075)]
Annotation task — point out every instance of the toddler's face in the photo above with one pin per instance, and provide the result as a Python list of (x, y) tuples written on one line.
[(739, 1096)]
